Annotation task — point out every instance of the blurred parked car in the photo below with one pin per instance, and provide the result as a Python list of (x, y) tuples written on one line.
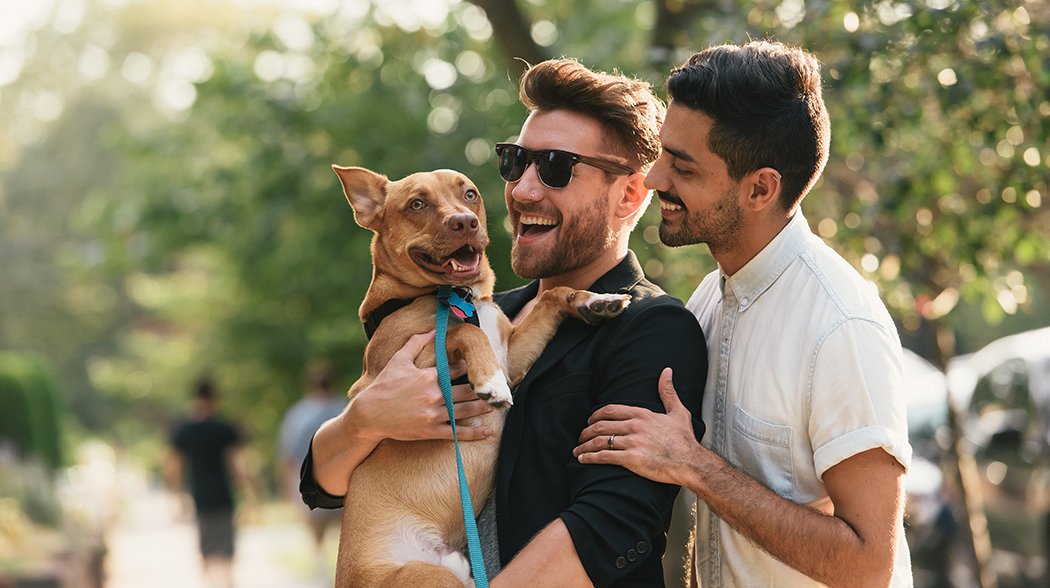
[(1004, 391)]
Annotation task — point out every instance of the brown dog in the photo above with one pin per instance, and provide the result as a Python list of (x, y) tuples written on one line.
[(402, 519)]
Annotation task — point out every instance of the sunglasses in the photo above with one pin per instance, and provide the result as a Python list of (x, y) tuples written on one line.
[(554, 166)]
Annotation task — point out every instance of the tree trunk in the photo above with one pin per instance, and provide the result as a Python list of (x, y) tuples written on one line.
[(962, 469), (513, 33), (670, 32)]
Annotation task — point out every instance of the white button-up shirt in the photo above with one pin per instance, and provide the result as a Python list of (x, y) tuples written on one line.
[(804, 372)]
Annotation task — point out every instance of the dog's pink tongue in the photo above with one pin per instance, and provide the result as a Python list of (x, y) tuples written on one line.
[(466, 258)]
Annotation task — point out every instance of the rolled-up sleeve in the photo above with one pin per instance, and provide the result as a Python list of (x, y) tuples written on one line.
[(618, 519), (856, 395), (313, 495)]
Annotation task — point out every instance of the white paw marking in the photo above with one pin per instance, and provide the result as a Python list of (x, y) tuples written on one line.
[(459, 566), (496, 391)]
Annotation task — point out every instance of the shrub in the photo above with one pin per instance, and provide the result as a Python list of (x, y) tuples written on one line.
[(29, 418)]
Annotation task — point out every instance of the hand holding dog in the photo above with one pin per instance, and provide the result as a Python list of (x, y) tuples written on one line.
[(653, 445), (404, 402)]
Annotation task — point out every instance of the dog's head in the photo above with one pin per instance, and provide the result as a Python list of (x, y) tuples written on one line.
[(429, 227)]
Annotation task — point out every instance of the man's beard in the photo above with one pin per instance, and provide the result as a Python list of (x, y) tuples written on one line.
[(718, 227), (581, 240)]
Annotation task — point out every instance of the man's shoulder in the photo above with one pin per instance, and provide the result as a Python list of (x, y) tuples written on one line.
[(220, 428), (849, 292), (652, 315), (648, 303)]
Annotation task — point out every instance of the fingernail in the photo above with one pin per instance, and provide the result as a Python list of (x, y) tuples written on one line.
[(487, 431)]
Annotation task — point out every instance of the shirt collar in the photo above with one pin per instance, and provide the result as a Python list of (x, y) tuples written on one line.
[(748, 283)]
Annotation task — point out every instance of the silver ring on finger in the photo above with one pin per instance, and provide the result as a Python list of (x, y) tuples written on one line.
[(610, 441)]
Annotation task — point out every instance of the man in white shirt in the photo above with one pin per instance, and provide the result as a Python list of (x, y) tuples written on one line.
[(800, 477)]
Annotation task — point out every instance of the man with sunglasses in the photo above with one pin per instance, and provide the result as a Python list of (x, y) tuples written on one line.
[(575, 190), (800, 477)]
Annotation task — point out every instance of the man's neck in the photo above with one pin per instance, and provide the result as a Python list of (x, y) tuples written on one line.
[(580, 278), (750, 243), (583, 277)]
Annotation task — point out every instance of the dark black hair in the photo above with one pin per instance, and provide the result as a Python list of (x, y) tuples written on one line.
[(204, 388), (765, 100)]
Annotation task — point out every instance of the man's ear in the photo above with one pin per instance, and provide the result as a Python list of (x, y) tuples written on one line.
[(633, 196), (365, 191), (763, 186)]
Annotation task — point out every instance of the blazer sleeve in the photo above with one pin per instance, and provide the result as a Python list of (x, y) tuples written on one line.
[(617, 518), (311, 491)]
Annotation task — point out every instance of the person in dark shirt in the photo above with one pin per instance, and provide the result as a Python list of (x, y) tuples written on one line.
[(574, 193), (206, 456)]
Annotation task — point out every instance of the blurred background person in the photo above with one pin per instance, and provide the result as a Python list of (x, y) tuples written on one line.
[(206, 455), (318, 404)]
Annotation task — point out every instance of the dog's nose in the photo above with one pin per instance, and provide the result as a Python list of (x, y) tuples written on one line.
[(463, 222)]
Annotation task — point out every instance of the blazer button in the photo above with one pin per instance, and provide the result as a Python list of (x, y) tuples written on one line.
[(621, 563), (632, 555), (642, 547)]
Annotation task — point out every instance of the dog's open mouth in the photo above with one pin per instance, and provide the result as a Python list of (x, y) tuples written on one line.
[(464, 262)]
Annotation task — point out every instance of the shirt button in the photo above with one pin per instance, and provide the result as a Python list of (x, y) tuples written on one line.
[(744, 301), (632, 555), (621, 563), (642, 547)]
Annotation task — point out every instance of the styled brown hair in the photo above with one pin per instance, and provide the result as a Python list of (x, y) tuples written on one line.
[(765, 100), (626, 108)]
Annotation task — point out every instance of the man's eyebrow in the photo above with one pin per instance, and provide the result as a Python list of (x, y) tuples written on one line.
[(679, 154)]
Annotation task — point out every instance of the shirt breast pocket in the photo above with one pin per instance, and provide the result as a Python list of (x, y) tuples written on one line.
[(763, 451)]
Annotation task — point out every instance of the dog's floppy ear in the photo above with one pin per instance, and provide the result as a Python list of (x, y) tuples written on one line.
[(365, 191)]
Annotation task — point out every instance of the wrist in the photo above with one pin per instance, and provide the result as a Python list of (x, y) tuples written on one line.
[(699, 461), (353, 427)]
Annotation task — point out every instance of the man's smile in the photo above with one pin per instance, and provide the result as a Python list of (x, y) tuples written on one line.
[(533, 225), (669, 202)]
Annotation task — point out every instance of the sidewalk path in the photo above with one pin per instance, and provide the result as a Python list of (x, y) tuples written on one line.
[(150, 547)]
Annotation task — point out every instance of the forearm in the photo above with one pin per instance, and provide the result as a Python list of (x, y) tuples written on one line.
[(550, 559), (338, 448), (818, 544)]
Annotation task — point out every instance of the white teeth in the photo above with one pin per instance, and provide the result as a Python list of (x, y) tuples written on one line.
[(665, 205), (538, 220), (457, 266)]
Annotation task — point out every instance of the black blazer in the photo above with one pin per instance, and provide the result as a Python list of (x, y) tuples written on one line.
[(618, 520)]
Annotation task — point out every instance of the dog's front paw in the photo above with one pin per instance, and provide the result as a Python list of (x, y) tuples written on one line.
[(598, 308), (496, 391)]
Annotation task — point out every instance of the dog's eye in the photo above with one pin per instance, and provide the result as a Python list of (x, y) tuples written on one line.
[(417, 204), (471, 195)]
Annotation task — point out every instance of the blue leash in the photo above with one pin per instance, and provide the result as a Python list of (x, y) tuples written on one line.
[(477, 563)]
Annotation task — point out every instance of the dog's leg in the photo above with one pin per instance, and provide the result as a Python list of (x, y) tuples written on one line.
[(531, 335), (484, 370), (417, 574)]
